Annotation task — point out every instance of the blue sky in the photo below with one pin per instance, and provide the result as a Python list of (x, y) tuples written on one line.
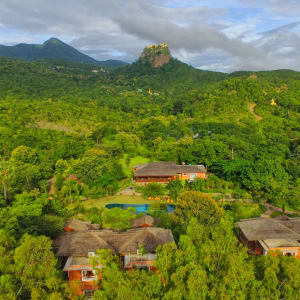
[(226, 35)]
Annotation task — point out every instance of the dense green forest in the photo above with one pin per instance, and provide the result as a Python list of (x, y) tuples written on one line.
[(61, 122)]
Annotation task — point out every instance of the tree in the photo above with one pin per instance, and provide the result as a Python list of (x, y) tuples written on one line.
[(206, 264), (7, 287), (115, 284), (25, 155), (197, 205), (289, 277), (6, 173), (175, 188), (35, 268), (71, 188), (153, 189), (26, 176), (118, 218)]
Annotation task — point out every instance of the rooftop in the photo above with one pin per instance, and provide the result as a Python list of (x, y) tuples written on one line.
[(79, 263), (143, 220), (77, 225), (166, 169), (268, 229), (279, 243), (80, 243)]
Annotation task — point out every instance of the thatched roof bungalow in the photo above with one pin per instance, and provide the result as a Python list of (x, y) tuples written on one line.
[(164, 172), (122, 243), (262, 235), (75, 247)]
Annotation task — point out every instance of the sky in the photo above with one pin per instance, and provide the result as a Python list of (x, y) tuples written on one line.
[(219, 35)]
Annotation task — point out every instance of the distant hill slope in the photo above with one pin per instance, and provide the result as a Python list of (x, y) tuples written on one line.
[(157, 69), (173, 75), (53, 49)]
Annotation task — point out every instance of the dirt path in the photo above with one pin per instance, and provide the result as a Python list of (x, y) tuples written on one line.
[(252, 107), (129, 191), (270, 208), (51, 185)]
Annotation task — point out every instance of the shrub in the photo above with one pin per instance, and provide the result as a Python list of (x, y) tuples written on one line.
[(153, 189), (276, 214), (94, 214), (118, 218)]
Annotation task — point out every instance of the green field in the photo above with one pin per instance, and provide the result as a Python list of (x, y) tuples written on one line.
[(127, 168), (101, 202)]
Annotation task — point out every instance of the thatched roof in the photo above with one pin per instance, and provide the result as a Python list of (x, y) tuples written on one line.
[(77, 225), (262, 229), (80, 243), (75, 263), (143, 220), (279, 243), (292, 223), (166, 169)]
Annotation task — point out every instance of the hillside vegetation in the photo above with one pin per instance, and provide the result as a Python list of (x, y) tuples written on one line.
[(209, 121), (53, 49), (63, 124)]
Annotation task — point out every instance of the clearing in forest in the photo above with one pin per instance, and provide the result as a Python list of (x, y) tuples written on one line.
[(258, 117), (52, 126)]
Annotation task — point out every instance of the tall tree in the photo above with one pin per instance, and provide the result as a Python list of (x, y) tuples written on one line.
[(35, 269)]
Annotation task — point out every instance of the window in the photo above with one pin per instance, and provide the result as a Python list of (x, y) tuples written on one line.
[(292, 253), (91, 254), (193, 176), (89, 275)]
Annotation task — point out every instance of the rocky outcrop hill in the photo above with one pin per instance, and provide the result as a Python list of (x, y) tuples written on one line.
[(156, 55)]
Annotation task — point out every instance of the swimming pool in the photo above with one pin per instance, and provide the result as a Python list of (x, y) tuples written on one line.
[(140, 208)]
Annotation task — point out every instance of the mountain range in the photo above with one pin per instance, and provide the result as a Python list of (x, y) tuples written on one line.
[(53, 49)]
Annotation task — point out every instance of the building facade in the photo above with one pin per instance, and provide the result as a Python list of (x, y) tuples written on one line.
[(164, 172)]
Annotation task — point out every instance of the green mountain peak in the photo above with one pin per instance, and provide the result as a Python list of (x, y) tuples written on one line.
[(53, 48), (54, 41)]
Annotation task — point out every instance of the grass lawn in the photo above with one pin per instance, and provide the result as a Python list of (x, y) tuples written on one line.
[(243, 209), (133, 161), (101, 202)]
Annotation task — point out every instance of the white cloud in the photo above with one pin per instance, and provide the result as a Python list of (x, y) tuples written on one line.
[(121, 29)]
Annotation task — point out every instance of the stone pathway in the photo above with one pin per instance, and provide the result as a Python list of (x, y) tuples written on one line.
[(129, 191)]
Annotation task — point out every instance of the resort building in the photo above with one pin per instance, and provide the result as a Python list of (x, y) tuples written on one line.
[(77, 225), (163, 172), (76, 248), (262, 235), (144, 221)]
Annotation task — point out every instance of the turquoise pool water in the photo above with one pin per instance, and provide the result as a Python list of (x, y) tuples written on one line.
[(140, 208)]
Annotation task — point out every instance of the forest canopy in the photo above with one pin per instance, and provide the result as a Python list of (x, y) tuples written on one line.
[(68, 134)]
